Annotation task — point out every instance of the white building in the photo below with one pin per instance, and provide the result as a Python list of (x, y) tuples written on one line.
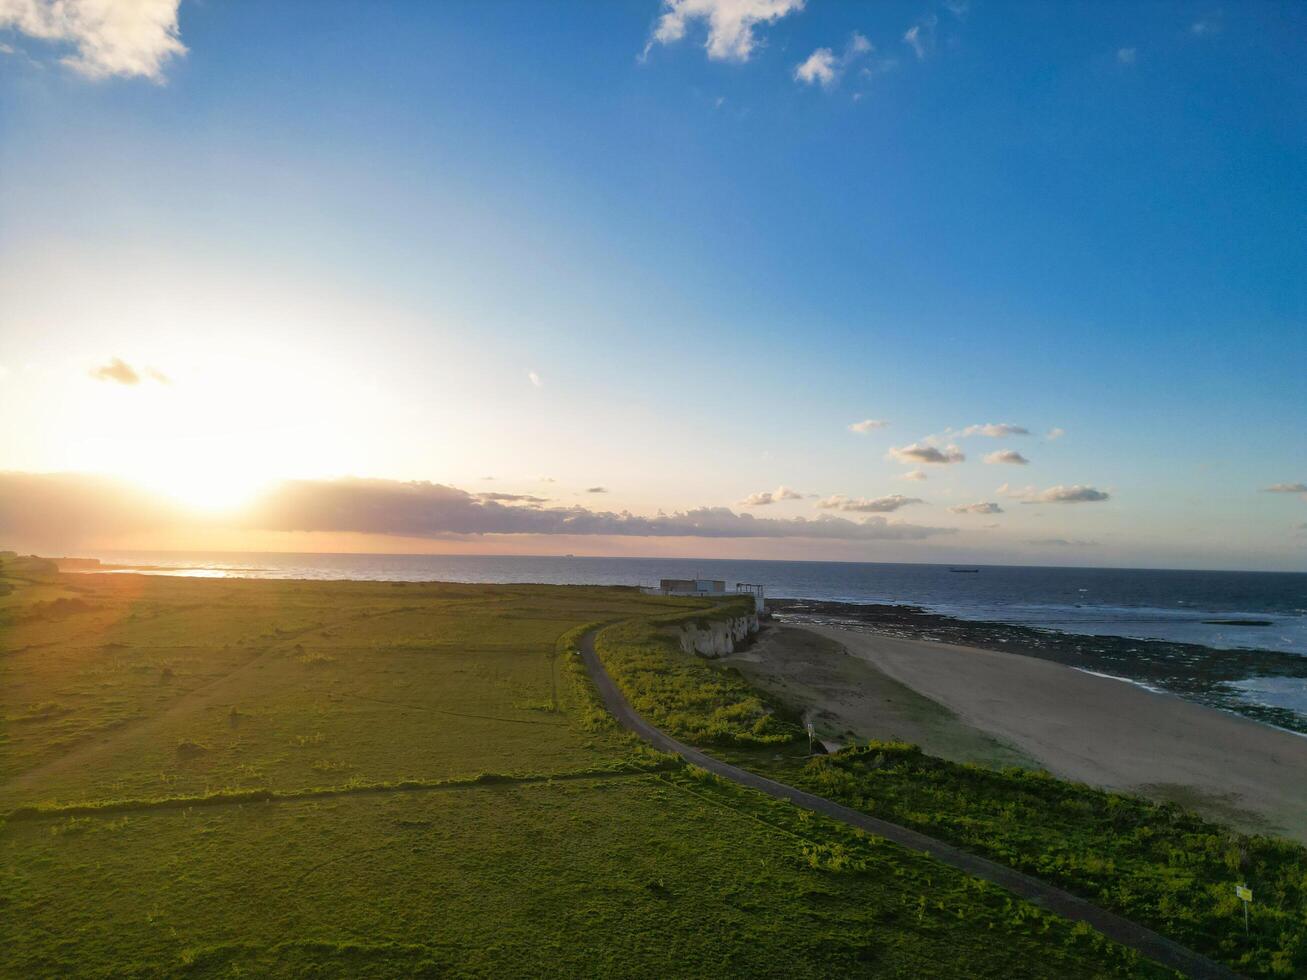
[(710, 587)]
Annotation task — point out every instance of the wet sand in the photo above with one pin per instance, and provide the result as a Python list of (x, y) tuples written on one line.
[(978, 705)]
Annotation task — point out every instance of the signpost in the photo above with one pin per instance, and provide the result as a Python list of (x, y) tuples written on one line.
[(1245, 895)]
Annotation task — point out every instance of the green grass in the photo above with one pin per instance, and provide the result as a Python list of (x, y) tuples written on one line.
[(223, 778), (153, 686), (683, 694), (647, 876), (1155, 863)]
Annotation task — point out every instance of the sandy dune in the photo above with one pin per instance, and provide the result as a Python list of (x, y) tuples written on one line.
[(1106, 732)]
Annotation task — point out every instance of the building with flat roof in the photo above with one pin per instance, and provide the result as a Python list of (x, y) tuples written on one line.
[(710, 587), (692, 586)]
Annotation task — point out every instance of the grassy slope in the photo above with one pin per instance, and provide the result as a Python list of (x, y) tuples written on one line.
[(123, 688), (1154, 863), (685, 695)]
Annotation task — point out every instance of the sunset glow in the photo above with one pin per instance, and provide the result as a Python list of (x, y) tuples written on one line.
[(653, 488), (1006, 361)]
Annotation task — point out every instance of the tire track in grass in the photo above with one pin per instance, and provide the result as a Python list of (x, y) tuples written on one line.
[(434, 709), (84, 749), (28, 814)]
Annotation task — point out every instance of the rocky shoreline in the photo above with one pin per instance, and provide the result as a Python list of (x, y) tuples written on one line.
[(1195, 672)]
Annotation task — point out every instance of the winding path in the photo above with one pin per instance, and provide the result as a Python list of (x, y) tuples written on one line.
[(1052, 899)]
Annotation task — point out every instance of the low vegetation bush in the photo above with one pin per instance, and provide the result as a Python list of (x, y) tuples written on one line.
[(913, 888), (1152, 862), (684, 695)]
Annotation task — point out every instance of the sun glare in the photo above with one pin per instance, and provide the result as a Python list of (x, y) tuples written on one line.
[(212, 490)]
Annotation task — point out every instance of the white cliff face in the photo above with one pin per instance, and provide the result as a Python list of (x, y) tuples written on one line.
[(720, 638)]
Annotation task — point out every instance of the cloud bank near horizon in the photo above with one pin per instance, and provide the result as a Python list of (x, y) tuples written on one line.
[(65, 506)]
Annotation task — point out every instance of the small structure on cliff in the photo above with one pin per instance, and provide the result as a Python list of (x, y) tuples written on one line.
[(758, 592), (711, 587), (692, 586)]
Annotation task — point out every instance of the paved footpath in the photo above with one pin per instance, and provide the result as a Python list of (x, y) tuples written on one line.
[(1149, 943)]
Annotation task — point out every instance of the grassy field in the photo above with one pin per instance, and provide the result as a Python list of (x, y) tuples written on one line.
[(235, 778), (1154, 863)]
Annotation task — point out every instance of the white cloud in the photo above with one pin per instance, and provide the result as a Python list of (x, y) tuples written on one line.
[(1205, 27), (920, 452), (770, 497), (867, 425), (1125, 56), (979, 508), (511, 498), (1062, 543), (920, 37), (824, 68), (534, 379), (819, 69), (1054, 434), (864, 505), (730, 23), (914, 475), (995, 430), (1006, 456), (1285, 488), (112, 37), (1075, 494)]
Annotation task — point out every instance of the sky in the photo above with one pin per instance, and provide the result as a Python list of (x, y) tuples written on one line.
[(884, 281)]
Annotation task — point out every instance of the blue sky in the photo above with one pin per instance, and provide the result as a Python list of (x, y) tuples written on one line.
[(370, 225)]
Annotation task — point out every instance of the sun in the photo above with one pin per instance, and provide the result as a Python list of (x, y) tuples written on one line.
[(198, 478), (211, 490)]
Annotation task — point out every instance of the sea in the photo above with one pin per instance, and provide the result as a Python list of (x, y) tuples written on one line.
[(1152, 604)]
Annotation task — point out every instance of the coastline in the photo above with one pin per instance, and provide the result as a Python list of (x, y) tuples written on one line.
[(969, 704), (1209, 676)]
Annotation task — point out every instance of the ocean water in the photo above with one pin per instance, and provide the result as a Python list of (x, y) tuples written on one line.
[(1180, 606)]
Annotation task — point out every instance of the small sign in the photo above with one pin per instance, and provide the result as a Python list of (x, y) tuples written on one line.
[(1244, 892)]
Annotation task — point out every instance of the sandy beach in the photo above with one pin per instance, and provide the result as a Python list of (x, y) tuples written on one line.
[(983, 706)]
